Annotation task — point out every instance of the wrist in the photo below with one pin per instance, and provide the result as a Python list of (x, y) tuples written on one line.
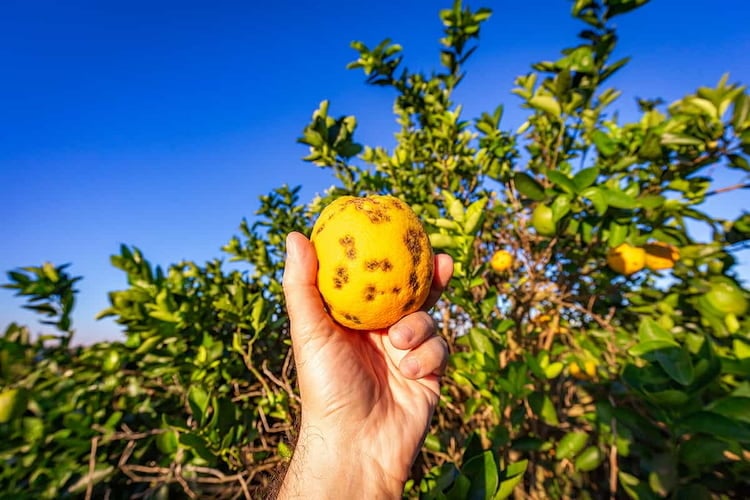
[(325, 466)]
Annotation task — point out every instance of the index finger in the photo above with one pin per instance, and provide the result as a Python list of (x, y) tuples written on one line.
[(440, 278)]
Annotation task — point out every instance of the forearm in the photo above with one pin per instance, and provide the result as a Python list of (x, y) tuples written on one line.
[(322, 468)]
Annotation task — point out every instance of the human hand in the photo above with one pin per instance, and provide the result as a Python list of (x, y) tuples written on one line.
[(367, 397)]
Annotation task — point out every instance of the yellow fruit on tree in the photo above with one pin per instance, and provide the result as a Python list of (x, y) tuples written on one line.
[(375, 262), (501, 261), (626, 259), (661, 255), (588, 372), (589, 367)]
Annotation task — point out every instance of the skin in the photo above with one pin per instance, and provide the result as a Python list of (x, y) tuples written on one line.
[(367, 397)]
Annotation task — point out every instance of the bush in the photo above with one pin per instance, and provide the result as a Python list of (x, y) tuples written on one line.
[(567, 378)]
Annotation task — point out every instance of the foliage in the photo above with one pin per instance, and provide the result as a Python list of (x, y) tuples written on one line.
[(566, 380)]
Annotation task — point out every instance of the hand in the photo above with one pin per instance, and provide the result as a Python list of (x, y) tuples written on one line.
[(367, 397)]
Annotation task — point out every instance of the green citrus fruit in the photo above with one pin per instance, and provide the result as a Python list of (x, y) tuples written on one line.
[(543, 221), (726, 298)]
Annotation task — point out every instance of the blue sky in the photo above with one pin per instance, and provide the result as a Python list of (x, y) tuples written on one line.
[(158, 124)]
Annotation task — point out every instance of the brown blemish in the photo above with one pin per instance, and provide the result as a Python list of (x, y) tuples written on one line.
[(373, 209), (413, 241), (354, 319), (413, 282), (370, 291), (341, 278), (408, 305), (396, 290), (374, 265), (347, 241)]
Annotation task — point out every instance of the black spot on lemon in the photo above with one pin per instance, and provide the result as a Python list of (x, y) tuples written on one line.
[(341, 277), (370, 291), (347, 241), (413, 282), (408, 305), (378, 265), (413, 241), (396, 290), (354, 319)]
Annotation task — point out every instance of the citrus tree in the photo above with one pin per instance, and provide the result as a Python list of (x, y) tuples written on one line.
[(598, 348)]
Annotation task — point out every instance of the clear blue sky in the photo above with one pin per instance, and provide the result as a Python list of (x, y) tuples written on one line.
[(158, 124)]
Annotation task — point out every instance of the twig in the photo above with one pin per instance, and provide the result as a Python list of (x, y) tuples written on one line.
[(728, 188), (92, 467), (613, 466)]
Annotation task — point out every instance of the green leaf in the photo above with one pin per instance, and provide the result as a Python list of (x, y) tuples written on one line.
[(597, 198), (542, 405), (715, 424), (618, 199), (474, 216), (737, 408), (198, 401), (481, 342), (589, 459), (635, 488), (509, 479), (669, 139), (571, 444), (617, 234), (563, 181), (604, 143), (674, 360), (546, 103), (560, 207), (528, 186), (440, 240), (585, 178), (651, 330), (482, 470)]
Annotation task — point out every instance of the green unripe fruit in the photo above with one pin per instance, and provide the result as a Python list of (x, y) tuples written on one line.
[(727, 299), (543, 220)]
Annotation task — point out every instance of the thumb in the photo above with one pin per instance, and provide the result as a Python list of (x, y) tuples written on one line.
[(303, 302)]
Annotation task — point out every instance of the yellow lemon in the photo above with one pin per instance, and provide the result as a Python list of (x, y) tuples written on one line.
[(626, 259), (375, 262), (661, 255), (575, 371), (589, 367), (501, 261)]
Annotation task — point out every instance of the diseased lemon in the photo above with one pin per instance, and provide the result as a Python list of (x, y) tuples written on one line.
[(626, 259), (375, 262), (501, 261), (661, 255)]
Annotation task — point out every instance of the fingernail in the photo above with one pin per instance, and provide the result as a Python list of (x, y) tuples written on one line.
[(404, 334), (291, 248), (410, 367)]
